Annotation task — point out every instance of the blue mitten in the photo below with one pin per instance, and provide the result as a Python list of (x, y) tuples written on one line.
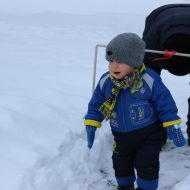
[(90, 130), (174, 133), (170, 132)]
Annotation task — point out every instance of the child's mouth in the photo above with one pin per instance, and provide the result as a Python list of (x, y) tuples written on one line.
[(117, 73)]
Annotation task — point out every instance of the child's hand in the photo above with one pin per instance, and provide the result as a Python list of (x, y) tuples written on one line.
[(90, 130), (174, 133)]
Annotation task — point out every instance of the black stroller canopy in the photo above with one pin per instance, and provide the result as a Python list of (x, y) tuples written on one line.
[(168, 27)]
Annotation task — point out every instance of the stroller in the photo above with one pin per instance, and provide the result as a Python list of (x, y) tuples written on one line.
[(168, 28)]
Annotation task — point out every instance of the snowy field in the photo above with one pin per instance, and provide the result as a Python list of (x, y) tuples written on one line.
[(46, 68)]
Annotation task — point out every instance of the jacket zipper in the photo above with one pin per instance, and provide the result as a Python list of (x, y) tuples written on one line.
[(123, 112)]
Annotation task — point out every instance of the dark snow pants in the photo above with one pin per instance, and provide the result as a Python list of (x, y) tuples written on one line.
[(188, 122), (138, 150)]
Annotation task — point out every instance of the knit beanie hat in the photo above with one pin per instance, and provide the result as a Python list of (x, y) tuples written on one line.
[(127, 48)]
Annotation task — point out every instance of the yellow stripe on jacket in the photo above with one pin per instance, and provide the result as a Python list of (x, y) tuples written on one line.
[(92, 123), (169, 123)]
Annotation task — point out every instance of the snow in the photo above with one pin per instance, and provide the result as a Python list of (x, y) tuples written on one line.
[(46, 68)]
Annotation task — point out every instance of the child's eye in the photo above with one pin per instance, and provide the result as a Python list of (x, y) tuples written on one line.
[(111, 61)]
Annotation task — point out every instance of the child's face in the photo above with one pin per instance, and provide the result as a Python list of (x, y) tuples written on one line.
[(119, 70)]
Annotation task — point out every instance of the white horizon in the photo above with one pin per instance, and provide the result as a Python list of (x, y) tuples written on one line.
[(83, 6)]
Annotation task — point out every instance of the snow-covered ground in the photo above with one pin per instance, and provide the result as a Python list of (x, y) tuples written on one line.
[(46, 68)]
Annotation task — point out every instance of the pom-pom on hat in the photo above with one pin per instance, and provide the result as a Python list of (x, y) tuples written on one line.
[(126, 48)]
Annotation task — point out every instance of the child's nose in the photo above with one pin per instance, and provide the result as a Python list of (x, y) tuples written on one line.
[(114, 64)]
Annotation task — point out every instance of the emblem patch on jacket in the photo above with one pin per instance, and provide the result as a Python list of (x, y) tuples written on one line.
[(140, 113), (113, 120), (140, 91)]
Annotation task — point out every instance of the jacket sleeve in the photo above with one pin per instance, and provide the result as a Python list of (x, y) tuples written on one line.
[(164, 103), (94, 117)]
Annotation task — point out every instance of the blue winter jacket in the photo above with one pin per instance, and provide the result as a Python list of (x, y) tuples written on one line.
[(134, 111)]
